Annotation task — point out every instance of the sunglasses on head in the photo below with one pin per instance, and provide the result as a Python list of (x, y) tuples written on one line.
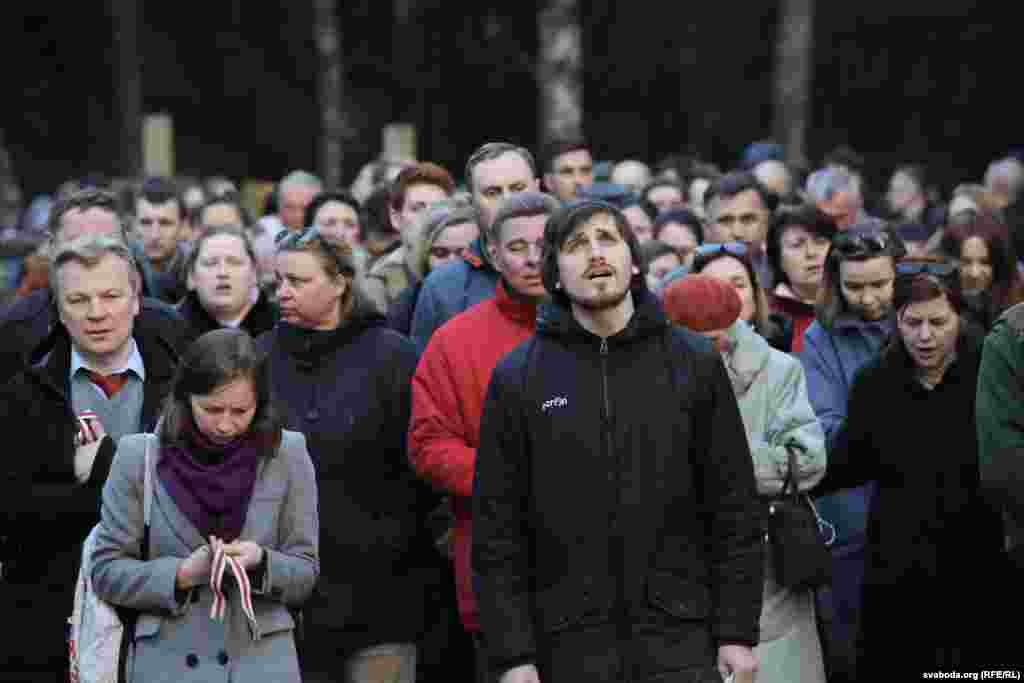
[(849, 244), (732, 248), (936, 268), (286, 239)]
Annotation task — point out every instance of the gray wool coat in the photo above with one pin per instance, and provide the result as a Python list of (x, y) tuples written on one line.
[(179, 642)]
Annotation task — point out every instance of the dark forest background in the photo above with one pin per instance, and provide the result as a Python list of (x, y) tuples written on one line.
[(899, 81)]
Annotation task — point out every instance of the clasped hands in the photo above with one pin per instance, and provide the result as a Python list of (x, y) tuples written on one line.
[(195, 569)]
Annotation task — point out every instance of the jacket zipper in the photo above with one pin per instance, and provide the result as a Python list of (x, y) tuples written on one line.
[(616, 545)]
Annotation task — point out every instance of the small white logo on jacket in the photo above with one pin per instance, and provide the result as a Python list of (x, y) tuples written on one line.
[(556, 402)]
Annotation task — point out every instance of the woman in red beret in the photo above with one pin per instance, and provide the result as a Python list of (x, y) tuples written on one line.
[(772, 395)]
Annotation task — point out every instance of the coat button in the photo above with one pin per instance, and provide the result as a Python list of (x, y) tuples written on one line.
[(313, 415), (192, 661), (222, 658)]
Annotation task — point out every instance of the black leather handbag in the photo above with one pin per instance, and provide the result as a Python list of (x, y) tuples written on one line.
[(799, 553)]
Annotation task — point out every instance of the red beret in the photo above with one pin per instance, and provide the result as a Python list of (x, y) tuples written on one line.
[(702, 303)]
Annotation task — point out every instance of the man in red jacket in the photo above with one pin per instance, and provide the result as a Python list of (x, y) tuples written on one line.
[(451, 380)]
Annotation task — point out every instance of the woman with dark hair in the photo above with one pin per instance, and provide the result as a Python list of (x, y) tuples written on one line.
[(660, 259), (223, 284), (227, 482), (730, 261), (682, 230), (934, 544), (986, 261), (344, 380), (336, 214), (798, 240), (852, 324)]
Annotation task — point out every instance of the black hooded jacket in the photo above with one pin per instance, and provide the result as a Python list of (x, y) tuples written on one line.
[(613, 477)]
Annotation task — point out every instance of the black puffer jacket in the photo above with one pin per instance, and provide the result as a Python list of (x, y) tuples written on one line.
[(614, 482), (348, 390)]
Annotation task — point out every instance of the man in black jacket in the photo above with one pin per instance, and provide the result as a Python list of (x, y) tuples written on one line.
[(29, 320), (617, 528), (100, 377)]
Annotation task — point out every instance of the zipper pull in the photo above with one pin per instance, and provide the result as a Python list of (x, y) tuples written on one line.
[(604, 346)]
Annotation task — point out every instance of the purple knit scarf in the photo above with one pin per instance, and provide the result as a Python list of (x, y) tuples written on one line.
[(212, 484)]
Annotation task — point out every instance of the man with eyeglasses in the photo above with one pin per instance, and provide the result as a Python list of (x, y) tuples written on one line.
[(494, 172), (415, 189), (738, 209), (450, 383)]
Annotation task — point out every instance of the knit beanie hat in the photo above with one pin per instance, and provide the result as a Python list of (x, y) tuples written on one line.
[(702, 303)]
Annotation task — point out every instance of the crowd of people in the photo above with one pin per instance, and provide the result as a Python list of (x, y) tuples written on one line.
[(378, 404)]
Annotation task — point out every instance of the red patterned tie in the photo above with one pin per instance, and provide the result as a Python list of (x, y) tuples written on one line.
[(110, 384)]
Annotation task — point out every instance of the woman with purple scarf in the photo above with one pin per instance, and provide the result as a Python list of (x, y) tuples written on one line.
[(232, 540)]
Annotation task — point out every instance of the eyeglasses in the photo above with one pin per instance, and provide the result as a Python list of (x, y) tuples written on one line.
[(849, 244), (732, 248), (287, 239), (937, 268), (443, 253)]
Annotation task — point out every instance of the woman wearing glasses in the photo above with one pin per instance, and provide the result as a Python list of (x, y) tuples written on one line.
[(851, 326), (343, 379), (798, 241), (223, 284), (934, 545), (986, 261), (449, 227), (730, 261)]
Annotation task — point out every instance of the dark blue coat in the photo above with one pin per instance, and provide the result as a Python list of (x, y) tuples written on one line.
[(348, 390)]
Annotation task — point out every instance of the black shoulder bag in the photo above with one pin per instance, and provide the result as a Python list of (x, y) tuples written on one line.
[(799, 554)]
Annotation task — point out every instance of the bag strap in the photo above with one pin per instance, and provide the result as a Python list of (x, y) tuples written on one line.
[(147, 495), (790, 473)]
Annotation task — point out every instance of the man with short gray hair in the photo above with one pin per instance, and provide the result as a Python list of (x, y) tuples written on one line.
[(102, 378), (631, 174), (294, 193), (1004, 178), (26, 325), (836, 192), (494, 172)]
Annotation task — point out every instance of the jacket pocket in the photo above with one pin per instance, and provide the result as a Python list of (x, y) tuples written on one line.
[(274, 620), (147, 625), (574, 603), (678, 597)]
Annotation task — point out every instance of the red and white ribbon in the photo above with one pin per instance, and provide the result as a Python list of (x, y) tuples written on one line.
[(221, 561)]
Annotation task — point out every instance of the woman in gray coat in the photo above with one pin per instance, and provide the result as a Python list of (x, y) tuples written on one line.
[(227, 481), (772, 395)]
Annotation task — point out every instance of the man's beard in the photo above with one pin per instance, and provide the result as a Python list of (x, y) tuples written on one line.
[(601, 302)]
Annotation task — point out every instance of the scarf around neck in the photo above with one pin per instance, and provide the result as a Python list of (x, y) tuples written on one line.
[(212, 484)]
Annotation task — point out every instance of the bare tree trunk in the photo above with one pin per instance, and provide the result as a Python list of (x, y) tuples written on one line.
[(332, 113), (793, 71), (10, 193), (560, 71), (128, 97)]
